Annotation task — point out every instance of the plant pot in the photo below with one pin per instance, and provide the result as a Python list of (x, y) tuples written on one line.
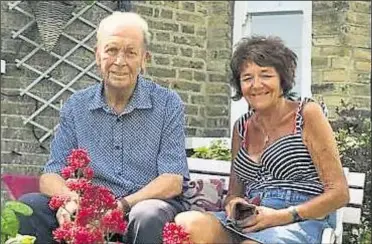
[(51, 17)]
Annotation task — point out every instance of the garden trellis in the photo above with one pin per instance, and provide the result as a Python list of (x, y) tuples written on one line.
[(47, 75)]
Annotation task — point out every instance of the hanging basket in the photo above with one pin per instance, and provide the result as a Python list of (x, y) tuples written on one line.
[(51, 17)]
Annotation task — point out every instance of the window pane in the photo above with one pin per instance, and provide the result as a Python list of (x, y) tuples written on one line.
[(286, 25)]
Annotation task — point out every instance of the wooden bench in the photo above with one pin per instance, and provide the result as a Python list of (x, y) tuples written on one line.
[(208, 169)]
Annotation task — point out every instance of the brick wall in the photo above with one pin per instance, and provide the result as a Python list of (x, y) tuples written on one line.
[(191, 47), (341, 58)]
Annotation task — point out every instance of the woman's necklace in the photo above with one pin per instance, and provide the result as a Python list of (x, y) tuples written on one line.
[(263, 131), (266, 141)]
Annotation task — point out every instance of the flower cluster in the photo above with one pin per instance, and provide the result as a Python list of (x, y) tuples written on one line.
[(97, 215), (175, 234)]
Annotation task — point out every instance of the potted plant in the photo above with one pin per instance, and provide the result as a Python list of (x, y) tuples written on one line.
[(10, 223), (97, 218)]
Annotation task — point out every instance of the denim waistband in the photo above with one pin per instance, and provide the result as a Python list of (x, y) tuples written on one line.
[(279, 193), (287, 197)]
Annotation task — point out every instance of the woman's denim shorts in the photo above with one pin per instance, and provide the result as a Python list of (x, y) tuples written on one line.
[(308, 231)]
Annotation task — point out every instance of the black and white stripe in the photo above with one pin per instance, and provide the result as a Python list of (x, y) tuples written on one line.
[(286, 163)]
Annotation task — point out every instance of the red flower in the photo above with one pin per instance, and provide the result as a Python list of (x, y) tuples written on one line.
[(78, 184), (88, 173), (85, 235), (57, 201), (175, 234), (64, 232), (105, 201), (97, 214), (107, 198), (85, 215), (68, 172), (114, 222), (78, 158)]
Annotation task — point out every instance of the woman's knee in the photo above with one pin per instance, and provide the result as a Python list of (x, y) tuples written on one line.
[(190, 219), (249, 242), (203, 227)]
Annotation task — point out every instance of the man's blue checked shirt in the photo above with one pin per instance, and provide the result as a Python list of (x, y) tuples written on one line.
[(127, 150)]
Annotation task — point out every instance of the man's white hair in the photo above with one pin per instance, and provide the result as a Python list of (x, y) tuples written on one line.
[(122, 19)]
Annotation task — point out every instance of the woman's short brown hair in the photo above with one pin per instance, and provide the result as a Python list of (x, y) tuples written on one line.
[(266, 52)]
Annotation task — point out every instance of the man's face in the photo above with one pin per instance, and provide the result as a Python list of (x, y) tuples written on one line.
[(120, 54)]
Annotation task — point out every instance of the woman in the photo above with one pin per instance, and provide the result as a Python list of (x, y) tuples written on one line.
[(283, 151)]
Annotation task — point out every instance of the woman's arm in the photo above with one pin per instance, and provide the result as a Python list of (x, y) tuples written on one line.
[(236, 187), (319, 139)]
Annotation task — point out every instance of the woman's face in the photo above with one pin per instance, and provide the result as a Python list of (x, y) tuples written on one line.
[(260, 86)]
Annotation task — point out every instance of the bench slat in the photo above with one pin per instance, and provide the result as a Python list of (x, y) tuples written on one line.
[(356, 179), (195, 176), (356, 196), (351, 215), (209, 166)]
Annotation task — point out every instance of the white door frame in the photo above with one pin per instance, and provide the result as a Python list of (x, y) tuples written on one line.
[(240, 29)]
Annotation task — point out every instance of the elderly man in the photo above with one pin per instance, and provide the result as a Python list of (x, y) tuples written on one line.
[(133, 131)]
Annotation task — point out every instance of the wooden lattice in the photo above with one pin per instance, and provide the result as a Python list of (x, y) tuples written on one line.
[(56, 81)]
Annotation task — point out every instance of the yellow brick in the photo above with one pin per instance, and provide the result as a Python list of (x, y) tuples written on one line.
[(326, 41), (335, 75), (316, 51), (358, 18), (363, 66), (359, 30), (360, 6), (332, 100), (335, 51), (341, 62), (359, 89), (360, 77), (362, 53), (316, 77), (358, 41), (320, 62), (361, 101)]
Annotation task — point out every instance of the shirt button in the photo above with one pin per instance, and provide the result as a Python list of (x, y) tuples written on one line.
[(117, 147), (117, 119)]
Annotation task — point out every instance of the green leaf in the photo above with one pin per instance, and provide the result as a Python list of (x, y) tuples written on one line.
[(2, 222), (3, 238), (19, 207), (9, 222)]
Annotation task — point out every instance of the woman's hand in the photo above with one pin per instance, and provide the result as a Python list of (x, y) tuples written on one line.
[(266, 217), (229, 207)]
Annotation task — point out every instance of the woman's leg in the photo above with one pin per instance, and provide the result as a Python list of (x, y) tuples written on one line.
[(203, 228)]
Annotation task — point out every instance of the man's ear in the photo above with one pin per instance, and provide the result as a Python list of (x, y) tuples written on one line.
[(147, 56)]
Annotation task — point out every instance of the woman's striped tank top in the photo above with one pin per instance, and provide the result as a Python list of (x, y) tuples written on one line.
[(286, 163)]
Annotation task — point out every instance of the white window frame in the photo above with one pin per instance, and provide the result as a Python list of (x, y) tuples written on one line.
[(242, 13)]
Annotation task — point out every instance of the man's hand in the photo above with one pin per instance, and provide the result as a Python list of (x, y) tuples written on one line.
[(64, 214), (123, 205)]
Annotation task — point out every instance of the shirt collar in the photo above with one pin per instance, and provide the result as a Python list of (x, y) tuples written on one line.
[(140, 99)]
